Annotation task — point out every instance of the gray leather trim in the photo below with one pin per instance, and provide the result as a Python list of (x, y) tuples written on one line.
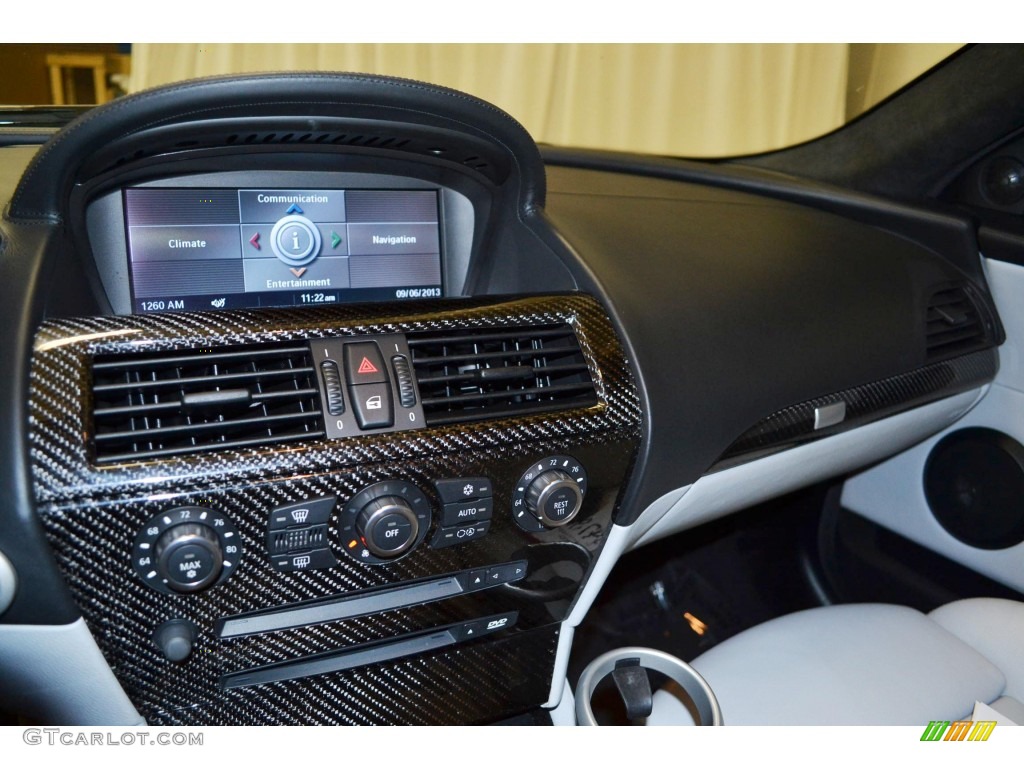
[(995, 628), (57, 675), (843, 665)]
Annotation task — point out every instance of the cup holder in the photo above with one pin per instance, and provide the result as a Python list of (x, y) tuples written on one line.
[(627, 666)]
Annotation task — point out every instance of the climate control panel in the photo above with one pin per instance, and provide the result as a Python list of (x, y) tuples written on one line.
[(191, 548)]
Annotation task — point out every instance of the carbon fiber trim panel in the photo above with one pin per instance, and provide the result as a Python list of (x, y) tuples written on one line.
[(91, 515), (795, 425)]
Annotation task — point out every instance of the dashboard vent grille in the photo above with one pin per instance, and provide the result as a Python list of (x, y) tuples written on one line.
[(172, 404), (175, 139), (468, 375), (955, 325)]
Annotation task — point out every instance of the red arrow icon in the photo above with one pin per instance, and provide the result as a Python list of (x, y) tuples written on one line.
[(367, 367), (298, 272), (255, 241)]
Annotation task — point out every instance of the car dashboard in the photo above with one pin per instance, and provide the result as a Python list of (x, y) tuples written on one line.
[(333, 400)]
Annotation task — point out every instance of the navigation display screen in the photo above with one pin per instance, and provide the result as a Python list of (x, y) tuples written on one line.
[(200, 249)]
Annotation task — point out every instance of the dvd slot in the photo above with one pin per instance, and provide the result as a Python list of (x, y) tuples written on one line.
[(336, 610), (378, 653), (376, 601)]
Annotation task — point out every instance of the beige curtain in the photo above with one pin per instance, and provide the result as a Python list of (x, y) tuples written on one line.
[(879, 69), (693, 100)]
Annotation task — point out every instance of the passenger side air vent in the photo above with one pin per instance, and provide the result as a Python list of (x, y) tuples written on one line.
[(468, 375), (173, 404), (955, 325)]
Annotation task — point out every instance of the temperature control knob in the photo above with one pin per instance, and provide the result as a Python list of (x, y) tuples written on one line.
[(383, 522), (189, 557), (549, 494), (388, 526), (186, 549), (554, 498)]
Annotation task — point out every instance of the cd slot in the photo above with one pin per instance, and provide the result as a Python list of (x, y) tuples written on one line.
[(411, 645), (377, 601)]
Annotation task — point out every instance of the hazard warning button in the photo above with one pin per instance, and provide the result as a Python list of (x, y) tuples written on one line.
[(364, 364)]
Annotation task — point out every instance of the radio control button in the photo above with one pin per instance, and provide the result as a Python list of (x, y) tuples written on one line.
[(506, 573), (475, 579)]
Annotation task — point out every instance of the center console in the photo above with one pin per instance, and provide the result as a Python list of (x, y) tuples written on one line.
[(358, 515), (321, 428)]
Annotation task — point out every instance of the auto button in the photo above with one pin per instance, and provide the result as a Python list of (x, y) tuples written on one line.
[(466, 512)]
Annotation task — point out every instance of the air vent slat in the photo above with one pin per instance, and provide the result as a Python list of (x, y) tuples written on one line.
[(232, 379), (227, 445), (151, 406), (171, 405), (504, 413), (480, 337), (475, 357), (526, 393), (240, 425), (953, 324), (469, 375), (206, 358)]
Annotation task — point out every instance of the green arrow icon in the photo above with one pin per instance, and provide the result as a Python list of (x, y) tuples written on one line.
[(335, 240)]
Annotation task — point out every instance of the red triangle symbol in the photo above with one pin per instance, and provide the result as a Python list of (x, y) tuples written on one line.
[(367, 367)]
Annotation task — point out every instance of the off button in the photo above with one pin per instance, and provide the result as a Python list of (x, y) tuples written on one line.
[(392, 533)]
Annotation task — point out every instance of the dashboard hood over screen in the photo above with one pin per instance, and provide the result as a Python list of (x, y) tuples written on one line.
[(283, 111)]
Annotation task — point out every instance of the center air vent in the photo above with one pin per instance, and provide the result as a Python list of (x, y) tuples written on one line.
[(468, 375), (955, 325), (171, 404)]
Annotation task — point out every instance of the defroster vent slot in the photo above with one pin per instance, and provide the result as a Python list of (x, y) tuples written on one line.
[(470, 375), (955, 324), (151, 406)]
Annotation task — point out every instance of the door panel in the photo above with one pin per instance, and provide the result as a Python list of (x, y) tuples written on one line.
[(892, 494)]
